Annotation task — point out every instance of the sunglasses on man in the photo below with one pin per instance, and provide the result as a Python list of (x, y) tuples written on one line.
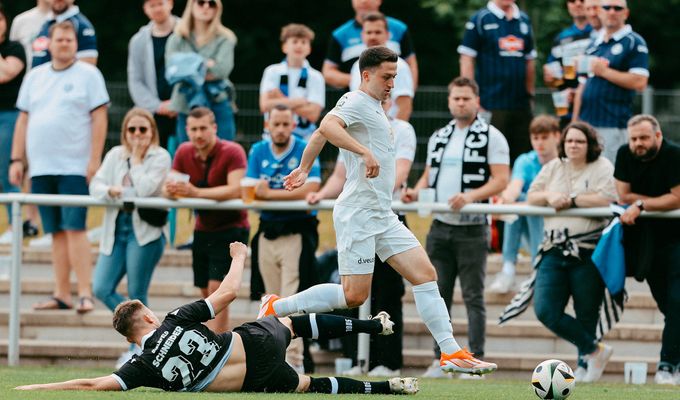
[(608, 7)]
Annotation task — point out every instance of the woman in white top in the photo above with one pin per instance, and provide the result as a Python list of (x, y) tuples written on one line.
[(579, 177), (130, 245)]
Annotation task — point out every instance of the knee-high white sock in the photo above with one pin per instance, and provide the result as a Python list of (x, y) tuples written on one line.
[(320, 298), (432, 310)]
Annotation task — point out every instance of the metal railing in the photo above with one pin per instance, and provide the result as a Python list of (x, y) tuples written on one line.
[(18, 199)]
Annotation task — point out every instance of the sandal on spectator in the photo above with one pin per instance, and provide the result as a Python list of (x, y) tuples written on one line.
[(52, 303), (30, 230), (85, 305)]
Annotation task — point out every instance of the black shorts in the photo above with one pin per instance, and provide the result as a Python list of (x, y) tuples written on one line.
[(210, 254), (265, 342)]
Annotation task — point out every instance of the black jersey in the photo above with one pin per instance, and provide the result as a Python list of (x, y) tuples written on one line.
[(178, 355)]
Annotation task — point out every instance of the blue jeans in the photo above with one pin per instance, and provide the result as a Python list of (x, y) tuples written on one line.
[(529, 227), (560, 277), (224, 117), (127, 257), (7, 120)]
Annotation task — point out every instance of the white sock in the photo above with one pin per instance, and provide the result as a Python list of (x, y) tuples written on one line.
[(508, 268), (319, 298), (434, 314)]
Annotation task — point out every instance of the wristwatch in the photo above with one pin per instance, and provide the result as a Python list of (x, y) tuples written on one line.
[(640, 204), (572, 198)]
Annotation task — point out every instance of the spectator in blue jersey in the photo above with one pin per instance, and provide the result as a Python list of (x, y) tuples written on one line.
[(567, 47), (64, 10), (345, 45), (146, 67), (498, 52), (294, 83), (26, 26), (285, 243), (200, 31), (619, 68), (544, 132)]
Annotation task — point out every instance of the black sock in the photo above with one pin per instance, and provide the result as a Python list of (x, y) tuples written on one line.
[(337, 385), (326, 326)]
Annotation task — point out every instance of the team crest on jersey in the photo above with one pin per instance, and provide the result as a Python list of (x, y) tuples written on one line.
[(342, 101), (265, 163), (511, 46), (617, 49), (41, 43), (293, 163)]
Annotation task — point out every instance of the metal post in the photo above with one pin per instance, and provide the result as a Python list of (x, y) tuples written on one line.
[(364, 344), (15, 288), (648, 100)]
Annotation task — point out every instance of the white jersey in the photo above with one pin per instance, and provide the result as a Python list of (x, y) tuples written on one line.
[(403, 83), (367, 123)]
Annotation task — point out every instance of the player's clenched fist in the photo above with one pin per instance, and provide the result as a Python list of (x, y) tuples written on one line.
[(372, 166)]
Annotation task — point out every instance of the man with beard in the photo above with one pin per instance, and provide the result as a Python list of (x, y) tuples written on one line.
[(215, 168), (64, 10), (284, 246), (648, 179)]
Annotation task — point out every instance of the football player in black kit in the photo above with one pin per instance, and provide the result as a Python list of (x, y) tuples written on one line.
[(182, 354)]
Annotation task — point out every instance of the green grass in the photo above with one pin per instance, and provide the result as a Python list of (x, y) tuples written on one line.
[(429, 389)]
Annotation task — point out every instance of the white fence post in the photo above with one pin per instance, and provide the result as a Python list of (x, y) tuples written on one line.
[(648, 100), (15, 286)]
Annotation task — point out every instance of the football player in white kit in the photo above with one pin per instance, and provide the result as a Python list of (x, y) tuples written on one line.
[(364, 221)]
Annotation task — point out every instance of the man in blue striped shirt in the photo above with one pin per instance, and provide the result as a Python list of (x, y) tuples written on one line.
[(498, 52), (620, 68)]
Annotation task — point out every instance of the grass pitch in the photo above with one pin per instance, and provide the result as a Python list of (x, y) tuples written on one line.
[(489, 389)]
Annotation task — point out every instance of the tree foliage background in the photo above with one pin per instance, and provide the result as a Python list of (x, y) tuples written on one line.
[(436, 27)]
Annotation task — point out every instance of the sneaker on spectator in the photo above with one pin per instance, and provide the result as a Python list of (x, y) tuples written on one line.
[(43, 241), (676, 375), (597, 361), (382, 370), (502, 283), (434, 371), (580, 374), (6, 238), (354, 371), (665, 374)]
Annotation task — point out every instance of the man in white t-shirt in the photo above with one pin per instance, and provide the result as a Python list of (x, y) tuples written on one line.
[(294, 83), (26, 26), (364, 222), (60, 136), (468, 161), (374, 32)]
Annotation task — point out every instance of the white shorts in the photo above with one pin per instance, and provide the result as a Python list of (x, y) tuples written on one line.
[(362, 233)]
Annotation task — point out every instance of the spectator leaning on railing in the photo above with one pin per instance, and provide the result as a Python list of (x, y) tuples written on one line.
[(59, 136)]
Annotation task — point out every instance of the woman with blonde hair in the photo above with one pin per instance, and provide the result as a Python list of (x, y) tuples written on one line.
[(200, 31), (132, 243)]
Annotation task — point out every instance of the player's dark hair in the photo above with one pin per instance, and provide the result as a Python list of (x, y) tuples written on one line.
[(374, 16), (594, 147), (200, 112), (462, 81), (374, 56), (544, 124), (63, 25), (125, 317)]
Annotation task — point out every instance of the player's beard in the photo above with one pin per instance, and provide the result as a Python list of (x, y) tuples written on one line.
[(281, 144)]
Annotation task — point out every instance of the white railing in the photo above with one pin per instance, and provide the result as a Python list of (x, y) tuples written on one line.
[(18, 199)]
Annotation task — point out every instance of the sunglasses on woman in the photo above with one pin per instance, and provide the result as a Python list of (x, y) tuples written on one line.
[(210, 3), (141, 129)]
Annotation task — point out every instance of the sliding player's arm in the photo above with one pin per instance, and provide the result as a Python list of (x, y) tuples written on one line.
[(102, 383), (228, 289)]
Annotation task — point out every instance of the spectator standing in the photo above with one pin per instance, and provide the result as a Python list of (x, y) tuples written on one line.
[(375, 33), (498, 52), (59, 136), (345, 45), (593, 16), (294, 83), (200, 31), (545, 135), (474, 158), (619, 69), (146, 67), (65, 10), (26, 26), (387, 287), (215, 168), (286, 241), (580, 177), (12, 70), (648, 179)]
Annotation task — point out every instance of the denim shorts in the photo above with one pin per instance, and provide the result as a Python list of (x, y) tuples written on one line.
[(58, 218)]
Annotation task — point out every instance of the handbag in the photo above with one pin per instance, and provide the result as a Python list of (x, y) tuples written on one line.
[(157, 217)]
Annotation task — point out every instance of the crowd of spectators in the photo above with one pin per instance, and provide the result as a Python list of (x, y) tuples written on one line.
[(178, 141)]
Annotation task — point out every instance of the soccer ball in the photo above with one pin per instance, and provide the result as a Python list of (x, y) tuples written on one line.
[(553, 379)]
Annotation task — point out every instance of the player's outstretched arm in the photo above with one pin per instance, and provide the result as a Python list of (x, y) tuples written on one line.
[(298, 176), (231, 284), (102, 383)]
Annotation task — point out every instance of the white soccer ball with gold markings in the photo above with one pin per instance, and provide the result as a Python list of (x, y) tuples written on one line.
[(553, 379)]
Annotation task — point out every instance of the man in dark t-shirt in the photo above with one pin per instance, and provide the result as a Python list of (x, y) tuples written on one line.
[(182, 354), (648, 179)]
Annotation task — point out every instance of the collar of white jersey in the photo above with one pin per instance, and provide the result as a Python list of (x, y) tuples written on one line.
[(500, 13), (72, 11), (369, 96), (305, 64), (618, 35)]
